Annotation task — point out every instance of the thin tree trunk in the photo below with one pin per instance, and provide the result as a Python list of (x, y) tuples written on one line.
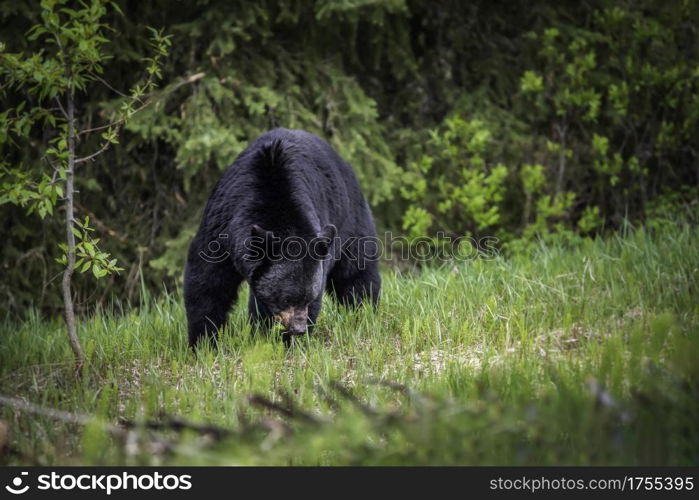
[(526, 212), (70, 238), (561, 158)]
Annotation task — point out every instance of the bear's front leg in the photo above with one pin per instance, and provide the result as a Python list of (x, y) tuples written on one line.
[(210, 289)]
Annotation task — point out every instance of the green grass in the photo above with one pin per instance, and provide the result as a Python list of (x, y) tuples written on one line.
[(579, 355)]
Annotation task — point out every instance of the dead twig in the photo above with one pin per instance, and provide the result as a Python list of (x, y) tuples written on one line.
[(60, 415), (101, 150), (348, 395), (263, 402), (183, 81), (123, 428), (299, 413), (178, 424)]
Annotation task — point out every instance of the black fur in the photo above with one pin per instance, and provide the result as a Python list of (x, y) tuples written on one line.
[(286, 184)]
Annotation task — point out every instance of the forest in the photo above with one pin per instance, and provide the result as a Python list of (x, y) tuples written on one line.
[(563, 133)]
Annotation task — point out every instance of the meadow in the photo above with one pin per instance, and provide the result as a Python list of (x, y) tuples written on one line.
[(582, 352)]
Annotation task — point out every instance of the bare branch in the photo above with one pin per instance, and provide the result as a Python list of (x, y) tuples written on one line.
[(170, 423), (112, 124), (261, 401), (296, 411), (190, 79), (70, 239), (60, 106), (184, 81), (60, 415), (347, 394), (106, 84), (178, 424), (104, 148)]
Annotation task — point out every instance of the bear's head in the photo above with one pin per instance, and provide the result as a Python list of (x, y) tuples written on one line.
[(287, 273)]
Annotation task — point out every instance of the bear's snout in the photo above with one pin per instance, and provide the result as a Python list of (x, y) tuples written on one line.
[(294, 319)]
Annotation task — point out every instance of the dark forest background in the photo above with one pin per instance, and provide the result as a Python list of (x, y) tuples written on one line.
[(521, 120)]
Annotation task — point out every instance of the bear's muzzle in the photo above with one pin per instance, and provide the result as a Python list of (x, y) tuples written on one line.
[(294, 319)]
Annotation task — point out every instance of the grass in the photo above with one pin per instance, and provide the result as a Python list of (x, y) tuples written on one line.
[(584, 354)]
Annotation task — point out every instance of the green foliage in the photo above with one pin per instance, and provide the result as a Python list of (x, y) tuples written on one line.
[(590, 220), (672, 206), (461, 118), (88, 253), (602, 133), (18, 188), (533, 179), (455, 182), (613, 97), (69, 58), (540, 124), (77, 39)]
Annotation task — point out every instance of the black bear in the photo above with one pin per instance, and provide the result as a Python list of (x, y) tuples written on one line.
[(288, 216)]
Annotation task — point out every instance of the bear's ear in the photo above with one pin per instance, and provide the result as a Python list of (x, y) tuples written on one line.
[(328, 232), (256, 230), (325, 239)]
